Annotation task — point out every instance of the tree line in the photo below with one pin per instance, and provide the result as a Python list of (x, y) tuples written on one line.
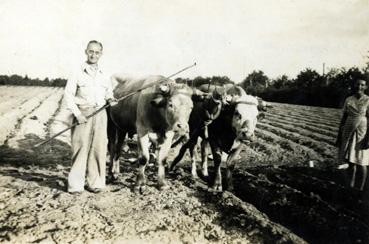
[(307, 88), (18, 80)]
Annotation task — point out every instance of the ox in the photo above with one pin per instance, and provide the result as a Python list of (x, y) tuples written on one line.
[(229, 131), (156, 114)]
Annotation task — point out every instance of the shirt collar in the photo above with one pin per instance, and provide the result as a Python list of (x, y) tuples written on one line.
[(89, 68)]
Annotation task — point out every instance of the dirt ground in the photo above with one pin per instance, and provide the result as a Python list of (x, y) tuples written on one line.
[(278, 197), (36, 208), (266, 206)]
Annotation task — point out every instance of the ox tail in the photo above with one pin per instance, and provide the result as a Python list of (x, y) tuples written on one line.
[(187, 145), (179, 157), (179, 141)]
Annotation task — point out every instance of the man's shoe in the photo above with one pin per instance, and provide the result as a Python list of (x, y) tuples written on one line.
[(93, 190)]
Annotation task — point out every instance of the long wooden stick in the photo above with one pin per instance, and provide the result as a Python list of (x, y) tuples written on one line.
[(107, 105)]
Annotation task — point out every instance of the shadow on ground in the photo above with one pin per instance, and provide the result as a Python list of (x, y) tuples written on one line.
[(46, 165)]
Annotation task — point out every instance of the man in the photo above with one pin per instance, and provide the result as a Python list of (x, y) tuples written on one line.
[(86, 91)]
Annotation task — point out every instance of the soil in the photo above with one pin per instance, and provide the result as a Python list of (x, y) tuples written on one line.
[(278, 196)]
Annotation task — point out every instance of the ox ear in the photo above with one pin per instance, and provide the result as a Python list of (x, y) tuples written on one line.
[(158, 102), (235, 99), (261, 116), (226, 99), (198, 95), (262, 105)]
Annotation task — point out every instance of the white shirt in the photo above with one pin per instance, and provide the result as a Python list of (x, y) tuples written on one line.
[(87, 88)]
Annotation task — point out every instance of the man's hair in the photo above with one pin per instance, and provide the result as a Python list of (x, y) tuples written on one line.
[(95, 42)]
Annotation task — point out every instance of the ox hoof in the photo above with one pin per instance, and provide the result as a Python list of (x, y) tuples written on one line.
[(217, 188), (113, 178), (139, 189), (230, 187), (171, 168), (194, 176), (163, 186)]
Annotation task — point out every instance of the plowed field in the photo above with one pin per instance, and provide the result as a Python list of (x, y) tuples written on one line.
[(278, 196)]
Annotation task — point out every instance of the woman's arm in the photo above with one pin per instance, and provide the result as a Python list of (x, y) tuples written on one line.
[(340, 128), (365, 143)]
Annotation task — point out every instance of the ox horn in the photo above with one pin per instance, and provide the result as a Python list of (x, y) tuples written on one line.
[(200, 93), (165, 89)]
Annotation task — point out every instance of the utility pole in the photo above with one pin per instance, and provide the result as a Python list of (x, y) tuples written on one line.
[(325, 78)]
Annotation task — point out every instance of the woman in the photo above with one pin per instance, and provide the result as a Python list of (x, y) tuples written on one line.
[(353, 140)]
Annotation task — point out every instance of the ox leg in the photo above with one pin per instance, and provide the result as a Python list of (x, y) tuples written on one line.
[(115, 164), (116, 138), (144, 156), (230, 163), (178, 158), (112, 136), (162, 156), (193, 160), (204, 157), (217, 157)]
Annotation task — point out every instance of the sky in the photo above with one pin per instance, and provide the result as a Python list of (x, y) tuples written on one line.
[(44, 38)]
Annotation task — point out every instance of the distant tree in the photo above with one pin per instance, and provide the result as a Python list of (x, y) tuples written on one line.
[(58, 82), (4, 79), (26, 81), (255, 82), (309, 79), (281, 82), (199, 80), (16, 80), (221, 80), (180, 80)]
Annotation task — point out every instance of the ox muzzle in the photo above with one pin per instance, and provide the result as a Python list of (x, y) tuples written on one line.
[(182, 129), (246, 136)]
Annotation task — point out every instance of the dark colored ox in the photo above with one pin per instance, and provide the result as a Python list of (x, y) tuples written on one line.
[(228, 132), (203, 113), (156, 114)]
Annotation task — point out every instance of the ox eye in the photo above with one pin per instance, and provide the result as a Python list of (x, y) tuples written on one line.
[(237, 114)]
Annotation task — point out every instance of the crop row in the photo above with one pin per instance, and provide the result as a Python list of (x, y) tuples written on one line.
[(300, 131), (313, 127), (305, 214), (326, 112), (13, 118), (35, 123), (18, 98), (322, 148), (301, 153), (319, 120)]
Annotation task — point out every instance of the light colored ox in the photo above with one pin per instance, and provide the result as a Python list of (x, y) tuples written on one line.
[(156, 114)]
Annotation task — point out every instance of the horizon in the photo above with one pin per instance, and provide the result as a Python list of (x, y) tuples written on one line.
[(282, 37), (182, 77)]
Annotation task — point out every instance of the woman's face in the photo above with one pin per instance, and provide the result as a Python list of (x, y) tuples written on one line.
[(360, 87)]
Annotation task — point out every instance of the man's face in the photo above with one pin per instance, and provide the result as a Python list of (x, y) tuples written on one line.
[(93, 53)]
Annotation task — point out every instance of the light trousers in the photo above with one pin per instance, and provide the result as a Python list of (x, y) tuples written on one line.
[(89, 148)]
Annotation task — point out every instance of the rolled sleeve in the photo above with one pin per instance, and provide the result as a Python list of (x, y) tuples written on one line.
[(109, 91), (70, 94)]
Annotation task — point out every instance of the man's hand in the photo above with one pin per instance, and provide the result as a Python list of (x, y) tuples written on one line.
[(81, 119), (112, 101)]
